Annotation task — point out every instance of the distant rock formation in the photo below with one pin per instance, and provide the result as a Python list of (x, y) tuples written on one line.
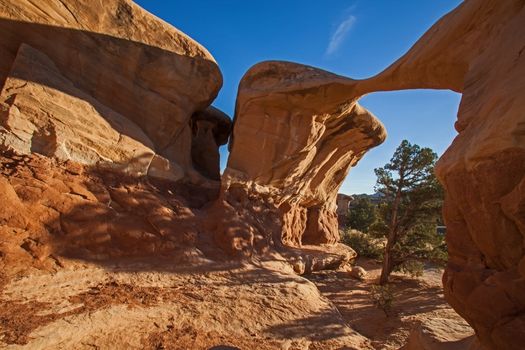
[(343, 204), (115, 85)]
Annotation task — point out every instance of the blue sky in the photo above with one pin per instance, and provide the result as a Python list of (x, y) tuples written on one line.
[(352, 38)]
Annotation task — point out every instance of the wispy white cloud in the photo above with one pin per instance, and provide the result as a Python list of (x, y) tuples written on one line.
[(340, 35)]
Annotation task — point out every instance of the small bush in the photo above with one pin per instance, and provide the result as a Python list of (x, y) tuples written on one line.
[(362, 214), (362, 243), (413, 268), (382, 297)]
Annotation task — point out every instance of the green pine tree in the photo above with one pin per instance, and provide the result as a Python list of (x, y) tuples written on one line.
[(362, 214), (410, 209)]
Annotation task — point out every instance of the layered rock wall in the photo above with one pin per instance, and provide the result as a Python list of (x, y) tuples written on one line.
[(116, 59), (297, 131), (479, 49)]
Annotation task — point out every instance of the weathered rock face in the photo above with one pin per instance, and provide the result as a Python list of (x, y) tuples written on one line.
[(479, 50), (64, 122), (127, 73), (297, 131), (441, 334), (210, 129), (53, 210)]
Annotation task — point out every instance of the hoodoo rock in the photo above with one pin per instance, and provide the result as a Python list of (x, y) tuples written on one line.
[(297, 131), (211, 128), (114, 72)]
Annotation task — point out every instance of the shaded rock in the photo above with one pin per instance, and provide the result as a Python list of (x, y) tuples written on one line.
[(48, 212), (312, 258), (441, 334), (358, 272), (161, 168), (12, 213), (115, 59), (210, 129), (477, 49)]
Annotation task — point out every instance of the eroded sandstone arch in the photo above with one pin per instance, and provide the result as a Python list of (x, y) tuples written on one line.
[(479, 50)]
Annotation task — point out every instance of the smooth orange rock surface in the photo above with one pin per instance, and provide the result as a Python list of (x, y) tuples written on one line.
[(64, 122), (478, 50), (297, 131), (121, 60)]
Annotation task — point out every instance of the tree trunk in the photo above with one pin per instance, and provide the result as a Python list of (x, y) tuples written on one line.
[(391, 239), (387, 259)]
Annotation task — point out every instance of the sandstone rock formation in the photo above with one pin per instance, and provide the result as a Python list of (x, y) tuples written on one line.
[(441, 334), (297, 131), (94, 257), (64, 122), (53, 209), (210, 129), (94, 96), (116, 66), (478, 49), (107, 83)]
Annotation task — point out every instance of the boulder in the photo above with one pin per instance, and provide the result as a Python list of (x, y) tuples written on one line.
[(116, 59), (441, 334), (358, 272), (210, 129)]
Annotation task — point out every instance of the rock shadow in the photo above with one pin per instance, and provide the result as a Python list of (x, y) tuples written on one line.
[(126, 82), (320, 327), (55, 210)]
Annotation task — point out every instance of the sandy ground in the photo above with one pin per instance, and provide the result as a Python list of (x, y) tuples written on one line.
[(146, 305), (122, 295), (141, 305), (415, 300)]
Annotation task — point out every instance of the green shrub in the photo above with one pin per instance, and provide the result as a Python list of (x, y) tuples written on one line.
[(412, 267), (383, 297), (362, 214), (363, 244)]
